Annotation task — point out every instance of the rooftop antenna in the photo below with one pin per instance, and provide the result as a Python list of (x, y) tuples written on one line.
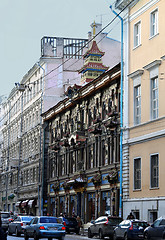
[(101, 17)]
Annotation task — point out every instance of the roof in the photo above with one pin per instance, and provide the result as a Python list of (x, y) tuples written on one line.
[(94, 50), (93, 67)]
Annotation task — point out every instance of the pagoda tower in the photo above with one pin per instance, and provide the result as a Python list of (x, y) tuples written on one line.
[(93, 66)]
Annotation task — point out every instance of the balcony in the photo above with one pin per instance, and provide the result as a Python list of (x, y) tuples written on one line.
[(120, 4)]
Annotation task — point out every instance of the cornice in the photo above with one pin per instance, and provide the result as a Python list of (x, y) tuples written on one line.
[(136, 73), (143, 9), (152, 64)]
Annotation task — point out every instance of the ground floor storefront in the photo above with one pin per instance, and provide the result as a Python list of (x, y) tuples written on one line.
[(148, 209), (88, 198)]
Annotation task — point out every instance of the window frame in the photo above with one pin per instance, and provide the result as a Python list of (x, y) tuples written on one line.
[(153, 100), (137, 34), (152, 33), (151, 172), (137, 118), (137, 189)]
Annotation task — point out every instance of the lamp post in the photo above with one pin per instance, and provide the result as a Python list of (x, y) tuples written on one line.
[(121, 115)]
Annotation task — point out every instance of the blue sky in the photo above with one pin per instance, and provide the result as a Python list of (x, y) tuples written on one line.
[(24, 22)]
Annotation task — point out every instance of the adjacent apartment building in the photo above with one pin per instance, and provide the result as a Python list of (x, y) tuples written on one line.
[(144, 86), (43, 86)]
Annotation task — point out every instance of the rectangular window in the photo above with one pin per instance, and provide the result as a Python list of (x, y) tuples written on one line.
[(154, 171), (137, 173), (154, 98), (154, 23), (137, 34), (137, 104)]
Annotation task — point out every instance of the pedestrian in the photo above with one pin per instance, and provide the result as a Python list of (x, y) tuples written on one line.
[(3, 235), (130, 216), (79, 223)]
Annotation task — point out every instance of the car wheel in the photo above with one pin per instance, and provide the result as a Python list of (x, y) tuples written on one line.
[(26, 236), (126, 237), (114, 236), (89, 234), (17, 233), (61, 238), (9, 233), (146, 236), (36, 236), (101, 234)]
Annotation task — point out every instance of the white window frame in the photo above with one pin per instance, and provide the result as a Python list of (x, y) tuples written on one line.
[(137, 107), (135, 189), (137, 34), (151, 172), (154, 25), (154, 98)]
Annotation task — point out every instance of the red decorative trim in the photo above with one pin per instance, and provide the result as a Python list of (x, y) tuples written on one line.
[(94, 50)]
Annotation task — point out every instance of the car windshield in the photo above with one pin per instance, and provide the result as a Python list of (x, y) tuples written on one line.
[(114, 220), (140, 224), (27, 219), (5, 215), (72, 219), (49, 220)]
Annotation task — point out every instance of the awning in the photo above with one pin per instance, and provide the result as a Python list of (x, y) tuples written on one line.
[(24, 203), (11, 196), (18, 204), (30, 203)]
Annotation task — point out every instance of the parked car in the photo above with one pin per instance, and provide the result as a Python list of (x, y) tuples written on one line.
[(44, 227), (71, 224), (130, 229), (103, 226), (17, 226), (156, 230), (6, 219)]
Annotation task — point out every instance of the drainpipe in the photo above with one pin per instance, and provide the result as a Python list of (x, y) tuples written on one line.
[(121, 115)]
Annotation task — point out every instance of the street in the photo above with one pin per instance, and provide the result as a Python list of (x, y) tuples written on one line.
[(67, 237)]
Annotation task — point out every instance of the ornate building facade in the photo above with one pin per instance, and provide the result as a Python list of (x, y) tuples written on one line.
[(83, 152)]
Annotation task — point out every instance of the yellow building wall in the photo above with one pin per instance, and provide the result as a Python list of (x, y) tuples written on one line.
[(149, 51), (143, 151)]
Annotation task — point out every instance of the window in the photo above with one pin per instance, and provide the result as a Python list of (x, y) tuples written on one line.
[(154, 171), (137, 104), (137, 173), (154, 98), (153, 215), (137, 34), (154, 23)]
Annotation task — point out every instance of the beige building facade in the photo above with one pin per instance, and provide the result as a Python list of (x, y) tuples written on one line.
[(146, 110)]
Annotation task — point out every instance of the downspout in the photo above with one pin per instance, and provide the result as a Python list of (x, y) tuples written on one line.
[(121, 115)]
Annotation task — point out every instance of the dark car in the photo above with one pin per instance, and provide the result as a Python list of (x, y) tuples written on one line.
[(130, 229), (18, 225), (156, 230), (44, 227), (103, 226), (5, 219), (70, 224)]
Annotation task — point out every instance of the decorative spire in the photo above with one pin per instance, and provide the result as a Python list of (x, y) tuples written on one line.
[(93, 66), (94, 29)]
